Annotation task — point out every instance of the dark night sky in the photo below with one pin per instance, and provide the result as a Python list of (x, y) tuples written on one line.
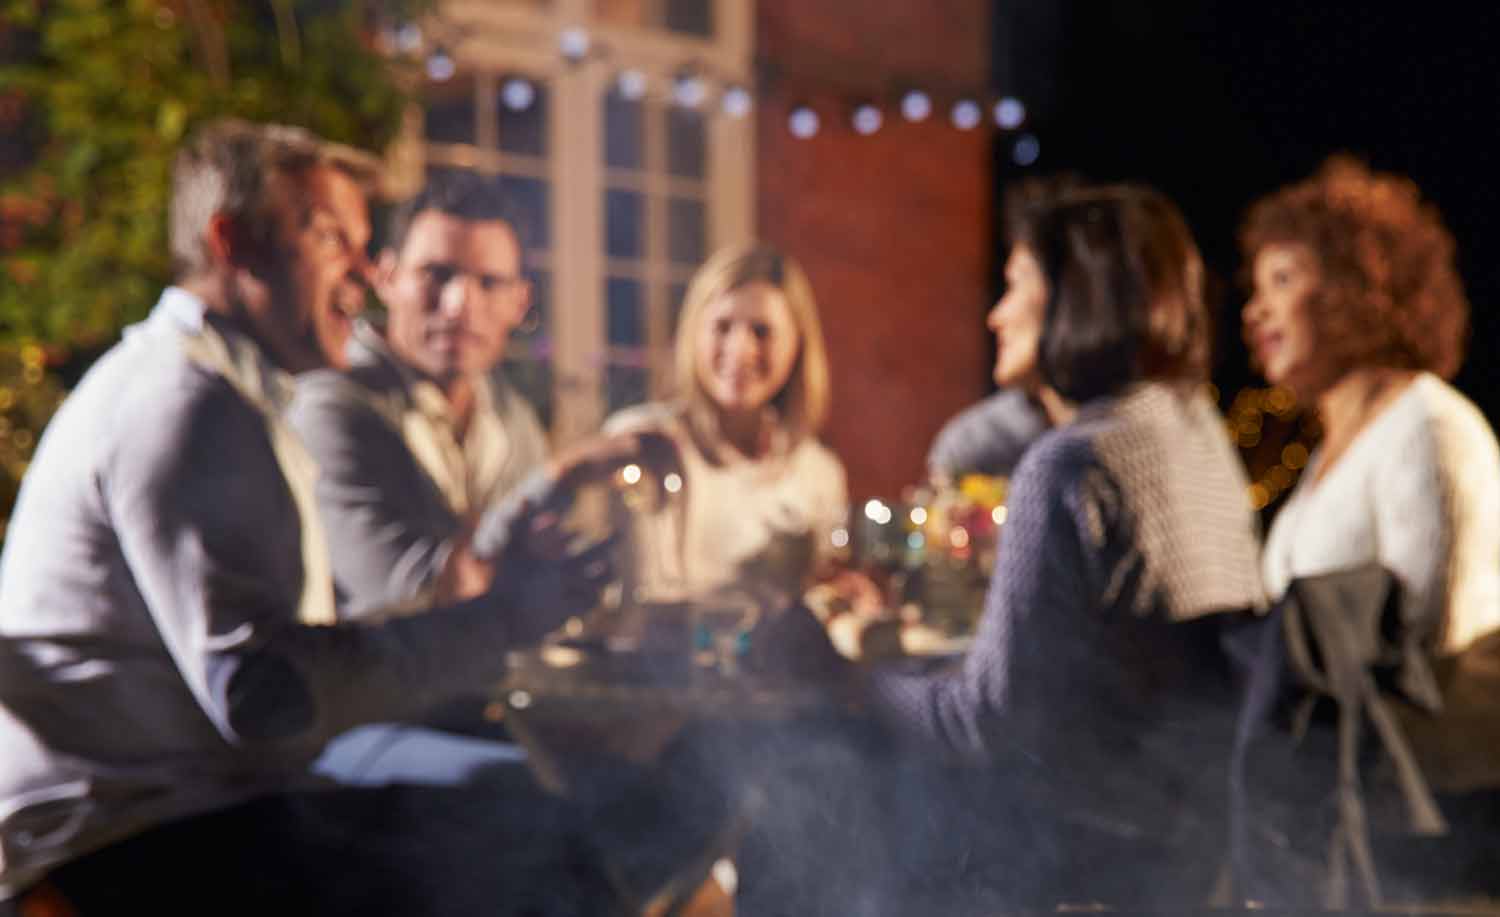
[(1219, 101)]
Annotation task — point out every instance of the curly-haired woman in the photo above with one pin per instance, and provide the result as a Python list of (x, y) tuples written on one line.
[(1359, 309)]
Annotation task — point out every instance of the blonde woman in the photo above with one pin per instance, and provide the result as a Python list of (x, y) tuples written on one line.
[(761, 495)]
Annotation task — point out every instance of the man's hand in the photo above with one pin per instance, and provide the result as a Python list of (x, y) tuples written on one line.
[(544, 577), (593, 461)]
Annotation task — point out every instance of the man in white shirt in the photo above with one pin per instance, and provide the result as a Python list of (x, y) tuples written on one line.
[(421, 435), (170, 658)]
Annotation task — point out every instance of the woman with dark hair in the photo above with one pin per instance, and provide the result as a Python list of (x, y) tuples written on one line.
[(1359, 310), (1094, 698)]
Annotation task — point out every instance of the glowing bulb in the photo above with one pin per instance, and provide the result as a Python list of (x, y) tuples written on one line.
[(1009, 113), (633, 85), (867, 120), (916, 106), (440, 66), (520, 700), (918, 516), (803, 122), (672, 483), (885, 516), (689, 90), (1026, 150), (998, 515), (631, 474), (517, 94), (959, 537), (737, 102), (915, 541), (873, 509), (573, 43), (839, 537), (967, 115)]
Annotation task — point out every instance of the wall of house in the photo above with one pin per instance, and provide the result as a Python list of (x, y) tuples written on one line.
[(895, 228)]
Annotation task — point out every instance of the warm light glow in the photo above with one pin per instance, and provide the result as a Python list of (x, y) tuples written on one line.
[(1259, 496), (672, 483), (874, 509), (1295, 456), (959, 537), (520, 700), (631, 474), (918, 516), (839, 538), (998, 515)]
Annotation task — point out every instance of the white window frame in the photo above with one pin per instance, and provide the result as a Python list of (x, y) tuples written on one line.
[(498, 37)]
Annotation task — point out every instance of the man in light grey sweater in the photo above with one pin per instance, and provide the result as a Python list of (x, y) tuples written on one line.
[(170, 658)]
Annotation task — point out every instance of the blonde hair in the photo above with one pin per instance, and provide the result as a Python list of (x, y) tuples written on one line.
[(803, 401)]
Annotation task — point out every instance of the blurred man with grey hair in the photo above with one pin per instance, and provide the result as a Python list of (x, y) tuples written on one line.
[(170, 656)]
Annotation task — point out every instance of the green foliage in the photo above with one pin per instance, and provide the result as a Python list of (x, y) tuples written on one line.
[(116, 84), (108, 88)]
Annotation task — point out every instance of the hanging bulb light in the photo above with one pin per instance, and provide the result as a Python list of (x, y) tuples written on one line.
[(518, 93), (440, 66), (1009, 113), (966, 114), (916, 106), (803, 122), (1027, 150), (633, 85), (867, 119), (573, 43), (737, 102), (689, 90)]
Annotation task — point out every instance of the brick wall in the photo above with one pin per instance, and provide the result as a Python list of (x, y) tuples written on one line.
[(894, 229)]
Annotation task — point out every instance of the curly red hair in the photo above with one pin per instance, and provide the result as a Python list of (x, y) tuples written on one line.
[(1390, 293)]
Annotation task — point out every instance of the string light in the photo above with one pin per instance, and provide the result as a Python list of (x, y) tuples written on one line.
[(1027, 150), (574, 43), (916, 106), (736, 102), (633, 85), (1009, 113), (672, 483), (867, 119), (518, 93), (803, 122), (918, 516), (689, 90), (966, 114), (440, 66)]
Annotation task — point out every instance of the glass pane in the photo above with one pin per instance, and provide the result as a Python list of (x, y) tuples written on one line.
[(528, 200), (624, 224), (448, 111), (522, 115), (690, 17), (676, 293), (625, 386), (624, 301), (685, 231), (685, 143), (624, 132), (621, 12), (533, 379)]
